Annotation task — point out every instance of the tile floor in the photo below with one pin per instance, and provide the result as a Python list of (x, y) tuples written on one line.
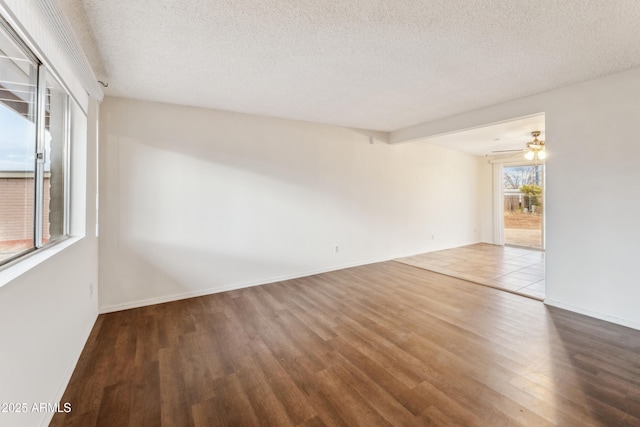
[(516, 270)]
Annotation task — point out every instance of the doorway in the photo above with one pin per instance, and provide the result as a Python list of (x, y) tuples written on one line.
[(523, 207)]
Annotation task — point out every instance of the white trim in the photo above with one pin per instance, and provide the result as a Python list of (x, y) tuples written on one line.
[(61, 28), (498, 204), (232, 287), (38, 205), (28, 21), (57, 397), (20, 266), (595, 314), (426, 251), (543, 223), (66, 158), (515, 160)]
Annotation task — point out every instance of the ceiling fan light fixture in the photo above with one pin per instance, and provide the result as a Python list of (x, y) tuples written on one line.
[(535, 148), (542, 154)]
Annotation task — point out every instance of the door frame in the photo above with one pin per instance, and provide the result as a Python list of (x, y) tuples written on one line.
[(498, 198)]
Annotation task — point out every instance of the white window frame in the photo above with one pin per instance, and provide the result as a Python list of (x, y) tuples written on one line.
[(43, 73)]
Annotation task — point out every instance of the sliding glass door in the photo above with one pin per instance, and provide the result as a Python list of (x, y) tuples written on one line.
[(523, 192)]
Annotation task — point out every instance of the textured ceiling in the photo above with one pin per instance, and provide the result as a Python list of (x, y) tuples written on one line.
[(371, 64)]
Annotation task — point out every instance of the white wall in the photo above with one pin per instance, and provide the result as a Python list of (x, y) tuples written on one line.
[(593, 165), (195, 201), (46, 312), (485, 200)]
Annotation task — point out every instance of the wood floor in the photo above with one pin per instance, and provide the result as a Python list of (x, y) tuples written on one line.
[(386, 344)]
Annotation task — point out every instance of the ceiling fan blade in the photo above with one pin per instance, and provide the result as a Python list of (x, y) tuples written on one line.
[(508, 151)]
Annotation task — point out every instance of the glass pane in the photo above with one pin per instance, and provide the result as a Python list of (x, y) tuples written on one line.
[(55, 162), (523, 208), (18, 75)]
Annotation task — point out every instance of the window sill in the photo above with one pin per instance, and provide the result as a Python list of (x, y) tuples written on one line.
[(23, 264)]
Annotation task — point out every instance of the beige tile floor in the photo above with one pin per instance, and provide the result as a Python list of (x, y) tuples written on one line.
[(517, 270), (523, 237)]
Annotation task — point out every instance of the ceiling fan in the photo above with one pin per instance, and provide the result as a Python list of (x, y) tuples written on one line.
[(535, 149)]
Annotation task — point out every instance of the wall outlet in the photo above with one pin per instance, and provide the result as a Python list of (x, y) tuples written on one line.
[(433, 236), (90, 289), (336, 249)]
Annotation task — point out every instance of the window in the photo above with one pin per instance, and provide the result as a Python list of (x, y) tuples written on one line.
[(34, 130)]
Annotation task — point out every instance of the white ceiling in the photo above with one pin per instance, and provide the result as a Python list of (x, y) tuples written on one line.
[(373, 64), (484, 141)]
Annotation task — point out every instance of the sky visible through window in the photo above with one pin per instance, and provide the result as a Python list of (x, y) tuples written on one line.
[(15, 155)]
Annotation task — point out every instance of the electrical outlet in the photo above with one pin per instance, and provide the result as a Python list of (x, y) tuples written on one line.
[(90, 289), (336, 249), (433, 236)]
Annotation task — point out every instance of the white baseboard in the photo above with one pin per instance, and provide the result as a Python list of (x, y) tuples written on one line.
[(67, 375), (595, 314), (230, 287), (435, 249)]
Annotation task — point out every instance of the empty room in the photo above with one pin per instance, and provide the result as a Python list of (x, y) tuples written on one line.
[(308, 213)]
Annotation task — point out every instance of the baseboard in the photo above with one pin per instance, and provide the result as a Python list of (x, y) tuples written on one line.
[(594, 314), (436, 249), (67, 376), (235, 286), (231, 287)]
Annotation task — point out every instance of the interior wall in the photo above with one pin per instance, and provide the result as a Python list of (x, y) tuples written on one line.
[(593, 160), (47, 311), (593, 237), (195, 201), (485, 200)]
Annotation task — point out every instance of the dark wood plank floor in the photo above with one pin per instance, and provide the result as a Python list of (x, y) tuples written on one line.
[(380, 345)]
